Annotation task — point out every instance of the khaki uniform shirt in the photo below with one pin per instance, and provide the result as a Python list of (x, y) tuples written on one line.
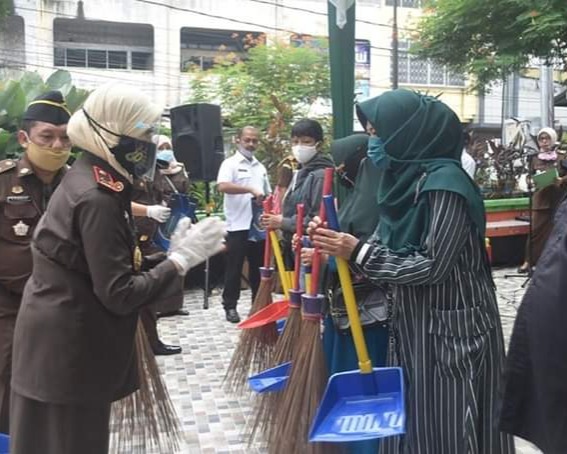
[(23, 199)]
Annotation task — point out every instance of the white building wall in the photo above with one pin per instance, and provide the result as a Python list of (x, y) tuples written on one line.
[(166, 84)]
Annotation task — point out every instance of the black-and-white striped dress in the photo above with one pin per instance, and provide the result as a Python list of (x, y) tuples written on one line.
[(449, 336)]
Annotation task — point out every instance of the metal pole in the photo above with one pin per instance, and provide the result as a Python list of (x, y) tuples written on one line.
[(207, 201), (546, 102), (395, 47)]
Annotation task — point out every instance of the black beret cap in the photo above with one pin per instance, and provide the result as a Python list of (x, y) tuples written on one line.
[(49, 107)]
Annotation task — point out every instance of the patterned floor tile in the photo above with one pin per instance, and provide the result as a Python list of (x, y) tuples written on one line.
[(214, 421)]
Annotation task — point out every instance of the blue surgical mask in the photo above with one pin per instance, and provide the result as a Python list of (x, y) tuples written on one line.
[(377, 152)]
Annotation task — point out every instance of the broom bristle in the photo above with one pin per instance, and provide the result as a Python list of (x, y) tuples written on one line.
[(147, 417), (298, 406), (255, 347), (286, 350)]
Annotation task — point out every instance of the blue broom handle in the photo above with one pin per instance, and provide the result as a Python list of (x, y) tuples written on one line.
[(364, 362)]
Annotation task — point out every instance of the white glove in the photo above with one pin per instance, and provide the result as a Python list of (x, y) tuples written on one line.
[(158, 212), (193, 244)]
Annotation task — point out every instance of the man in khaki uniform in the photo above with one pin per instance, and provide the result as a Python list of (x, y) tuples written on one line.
[(26, 185)]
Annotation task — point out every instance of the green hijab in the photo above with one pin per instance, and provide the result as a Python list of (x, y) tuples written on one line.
[(358, 212), (423, 142)]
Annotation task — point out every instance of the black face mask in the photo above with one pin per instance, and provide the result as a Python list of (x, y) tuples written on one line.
[(136, 156), (349, 169)]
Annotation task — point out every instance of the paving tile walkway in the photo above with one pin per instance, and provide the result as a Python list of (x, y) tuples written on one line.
[(213, 419)]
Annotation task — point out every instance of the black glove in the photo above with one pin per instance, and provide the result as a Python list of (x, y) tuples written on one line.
[(149, 261)]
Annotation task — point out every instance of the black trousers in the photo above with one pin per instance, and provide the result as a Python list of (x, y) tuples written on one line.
[(237, 248), (148, 318)]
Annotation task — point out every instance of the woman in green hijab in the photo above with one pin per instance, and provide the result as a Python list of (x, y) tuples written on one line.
[(358, 215), (429, 248)]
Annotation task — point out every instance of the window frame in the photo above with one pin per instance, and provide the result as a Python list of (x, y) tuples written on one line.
[(58, 46)]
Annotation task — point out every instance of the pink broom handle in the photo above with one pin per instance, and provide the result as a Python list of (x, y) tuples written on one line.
[(299, 233)]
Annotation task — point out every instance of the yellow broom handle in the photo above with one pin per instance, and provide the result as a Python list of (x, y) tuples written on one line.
[(364, 362), (279, 262)]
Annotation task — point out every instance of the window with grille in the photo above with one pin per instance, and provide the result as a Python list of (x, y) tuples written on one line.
[(103, 45), (202, 47), (412, 70), (406, 3)]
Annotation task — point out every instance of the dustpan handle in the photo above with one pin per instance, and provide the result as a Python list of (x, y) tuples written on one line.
[(280, 263), (267, 206), (364, 362)]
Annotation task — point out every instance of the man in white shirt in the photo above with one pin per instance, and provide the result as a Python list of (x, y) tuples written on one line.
[(241, 179), (467, 161)]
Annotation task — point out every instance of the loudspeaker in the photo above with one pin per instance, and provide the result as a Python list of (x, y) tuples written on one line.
[(196, 130)]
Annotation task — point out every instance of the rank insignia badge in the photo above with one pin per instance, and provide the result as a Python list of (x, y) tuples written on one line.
[(17, 189), (137, 259), (106, 180), (21, 228)]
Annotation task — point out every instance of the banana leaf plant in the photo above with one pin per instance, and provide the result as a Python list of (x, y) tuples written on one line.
[(15, 95)]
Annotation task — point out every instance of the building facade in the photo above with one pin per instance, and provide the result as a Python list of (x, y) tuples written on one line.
[(151, 43)]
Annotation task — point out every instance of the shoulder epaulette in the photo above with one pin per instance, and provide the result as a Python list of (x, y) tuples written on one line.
[(106, 180), (7, 164)]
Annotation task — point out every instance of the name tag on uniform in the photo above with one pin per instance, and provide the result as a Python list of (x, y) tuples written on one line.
[(243, 170), (18, 199)]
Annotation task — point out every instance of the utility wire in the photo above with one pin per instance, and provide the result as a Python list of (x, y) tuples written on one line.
[(320, 13)]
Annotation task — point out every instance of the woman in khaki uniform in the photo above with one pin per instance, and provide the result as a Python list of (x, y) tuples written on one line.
[(74, 350), (545, 200)]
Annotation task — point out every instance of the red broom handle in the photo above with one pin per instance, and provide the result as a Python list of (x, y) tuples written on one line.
[(267, 205), (327, 189), (299, 233), (316, 266)]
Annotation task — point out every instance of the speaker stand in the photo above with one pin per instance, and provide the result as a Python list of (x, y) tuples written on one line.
[(207, 267)]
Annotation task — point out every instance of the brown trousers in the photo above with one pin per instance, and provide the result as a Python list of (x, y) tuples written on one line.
[(9, 306), (46, 428), (7, 324)]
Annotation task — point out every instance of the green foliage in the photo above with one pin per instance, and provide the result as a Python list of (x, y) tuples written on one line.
[(273, 87), (6, 7), (16, 94), (489, 39)]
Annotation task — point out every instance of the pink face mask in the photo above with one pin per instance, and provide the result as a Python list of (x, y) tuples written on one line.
[(547, 155)]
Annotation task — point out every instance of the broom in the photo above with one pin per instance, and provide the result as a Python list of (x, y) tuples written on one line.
[(308, 378), (268, 403), (255, 346), (146, 418)]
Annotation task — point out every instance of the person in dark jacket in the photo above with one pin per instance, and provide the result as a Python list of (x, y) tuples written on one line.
[(26, 184), (148, 212), (307, 183), (535, 391), (74, 349)]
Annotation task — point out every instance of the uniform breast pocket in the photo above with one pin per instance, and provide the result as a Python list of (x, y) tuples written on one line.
[(460, 339), (242, 176), (18, 221)]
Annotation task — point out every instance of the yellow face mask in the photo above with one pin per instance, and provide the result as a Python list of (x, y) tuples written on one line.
[(47, 158)]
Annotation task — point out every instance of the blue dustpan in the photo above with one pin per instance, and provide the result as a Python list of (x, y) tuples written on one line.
[(361, 406), (4, 444), (270, 380), (181, 207), (280, 325)]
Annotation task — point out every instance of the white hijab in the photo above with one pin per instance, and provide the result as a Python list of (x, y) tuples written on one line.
[(120, 109)]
